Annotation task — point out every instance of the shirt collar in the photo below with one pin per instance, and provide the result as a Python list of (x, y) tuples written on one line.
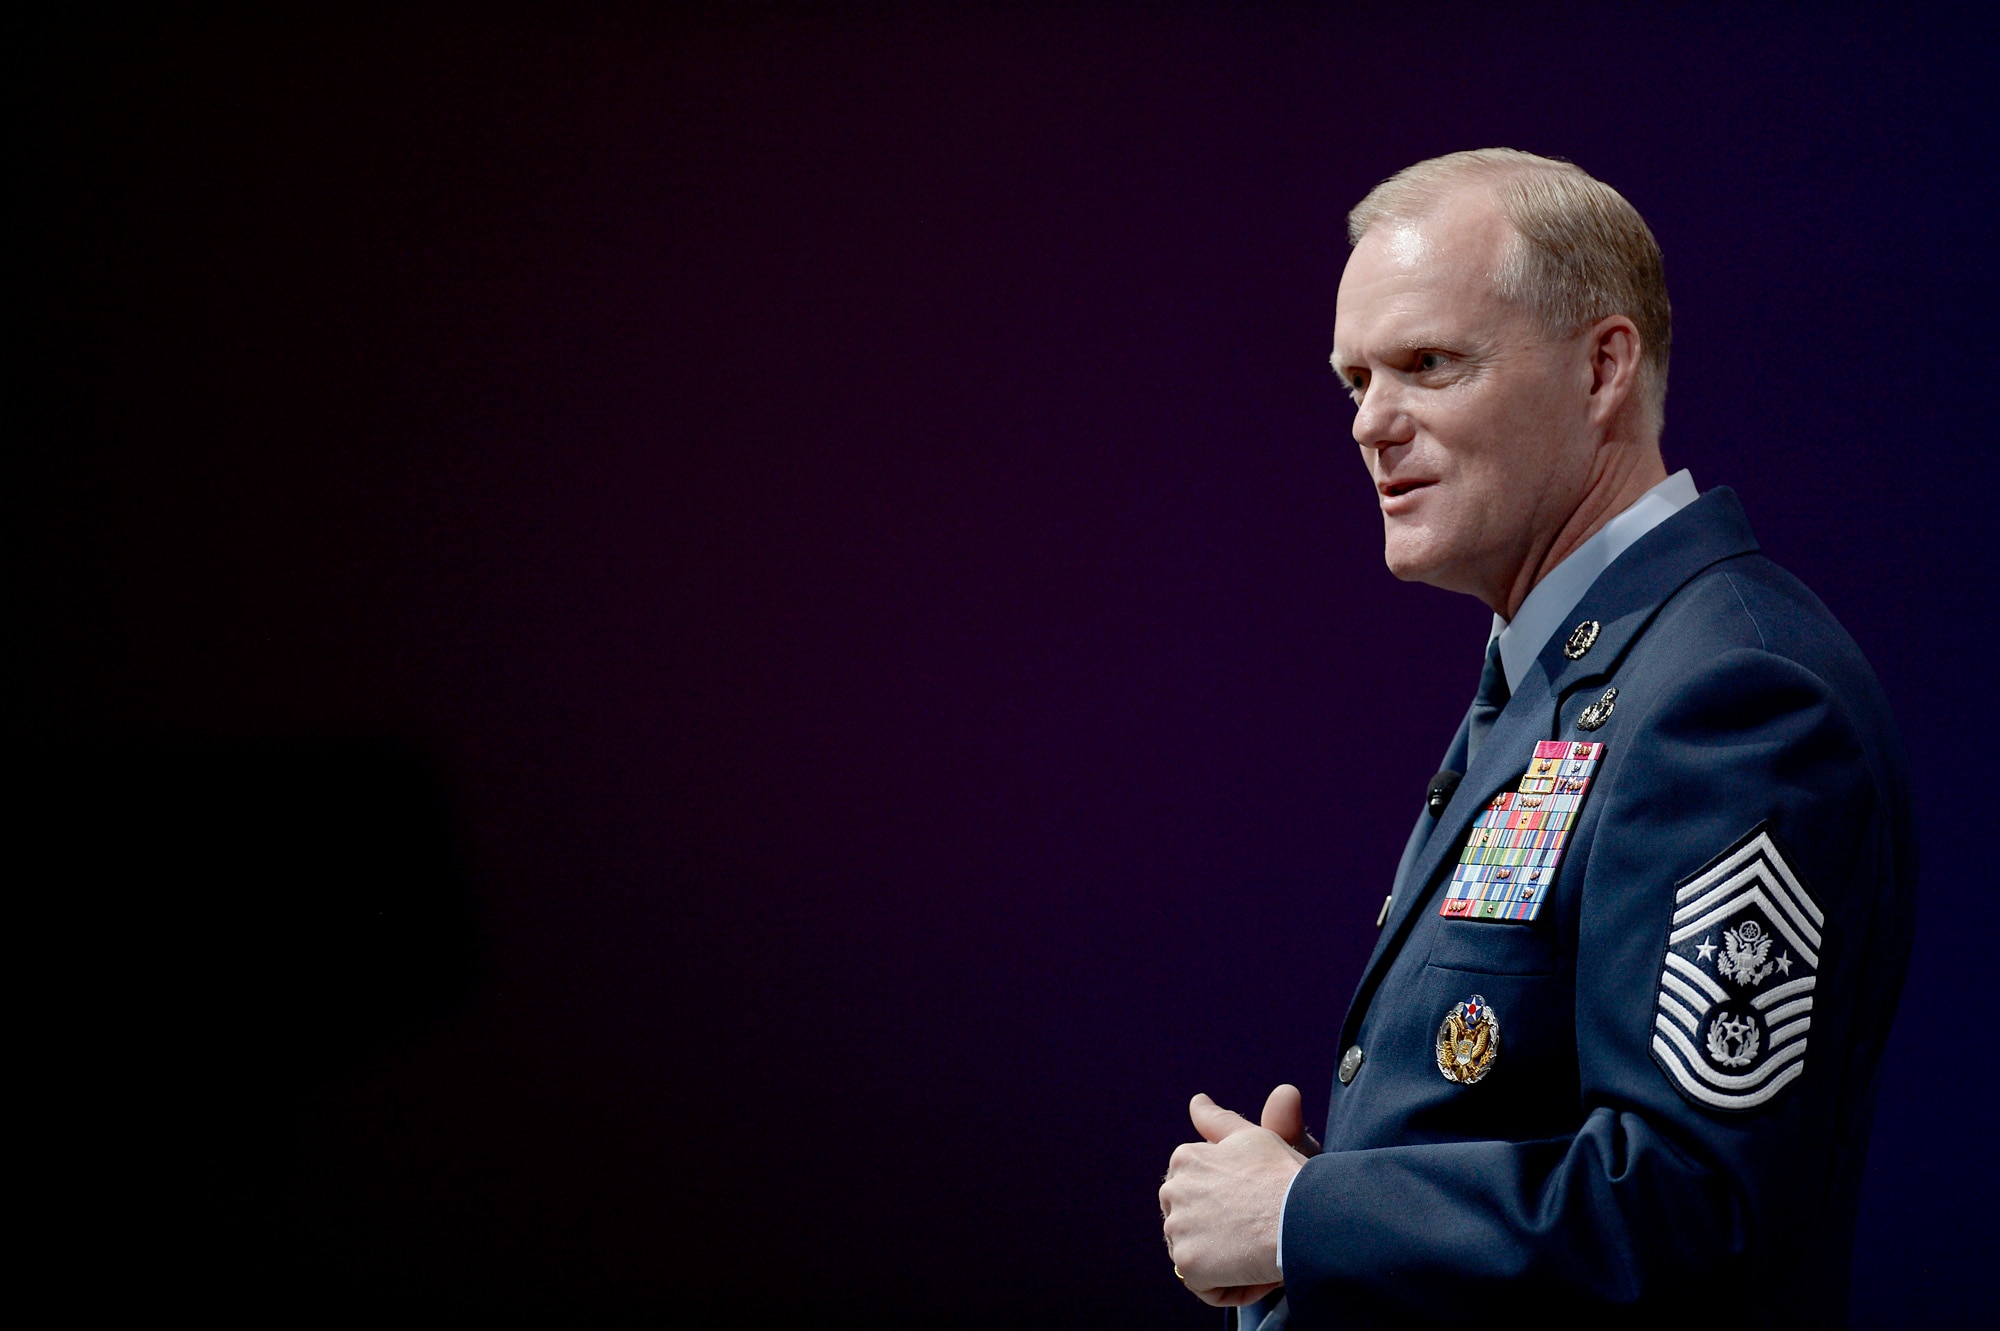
[(1549, 604)]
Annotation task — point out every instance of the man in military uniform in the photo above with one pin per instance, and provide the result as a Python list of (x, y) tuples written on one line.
[(1616, 1043)]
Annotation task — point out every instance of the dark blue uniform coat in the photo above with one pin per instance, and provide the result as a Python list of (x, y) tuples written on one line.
[(1751, 771)]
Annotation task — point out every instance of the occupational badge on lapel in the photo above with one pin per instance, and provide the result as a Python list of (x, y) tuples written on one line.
[(1736, 987), (1595, 715), (1582, 638), (1517, 841), (1468, 1041)]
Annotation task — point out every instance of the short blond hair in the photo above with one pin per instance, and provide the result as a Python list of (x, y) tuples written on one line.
[(1582, 252)]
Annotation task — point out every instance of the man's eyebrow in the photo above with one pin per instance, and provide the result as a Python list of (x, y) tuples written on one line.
[(1411, 344)]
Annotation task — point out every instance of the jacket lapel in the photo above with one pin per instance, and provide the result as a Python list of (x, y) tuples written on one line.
[(1427, 825), (1627, 595), (1503, 756)]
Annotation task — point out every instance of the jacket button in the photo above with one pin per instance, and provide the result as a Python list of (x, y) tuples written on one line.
[(1350, 1063)]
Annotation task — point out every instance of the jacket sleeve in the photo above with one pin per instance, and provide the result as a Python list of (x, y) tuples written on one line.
[(1653, 1200)]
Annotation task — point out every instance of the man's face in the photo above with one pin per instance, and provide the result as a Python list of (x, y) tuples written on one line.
[(1471, 423)]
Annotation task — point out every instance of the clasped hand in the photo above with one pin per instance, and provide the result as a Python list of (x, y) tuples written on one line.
[(1224, 1195)]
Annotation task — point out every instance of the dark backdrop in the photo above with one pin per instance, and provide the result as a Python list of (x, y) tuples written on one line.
[(714, 660)]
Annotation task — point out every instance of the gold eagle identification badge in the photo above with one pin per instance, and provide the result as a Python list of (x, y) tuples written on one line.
[(1468, 1041)]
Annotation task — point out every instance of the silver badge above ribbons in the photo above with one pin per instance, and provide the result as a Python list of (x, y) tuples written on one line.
[(1736, 988), (1598, 712), (1581, 639)]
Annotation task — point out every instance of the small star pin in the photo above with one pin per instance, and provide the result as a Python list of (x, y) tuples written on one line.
[(1704, 951), (1785, 962)]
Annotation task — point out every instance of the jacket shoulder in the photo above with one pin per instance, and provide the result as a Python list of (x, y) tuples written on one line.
[(1751, 603)]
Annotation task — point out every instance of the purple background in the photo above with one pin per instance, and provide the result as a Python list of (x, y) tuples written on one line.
[(719, 659)]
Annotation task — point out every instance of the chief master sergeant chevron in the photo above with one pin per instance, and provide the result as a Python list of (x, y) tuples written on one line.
[(1616, 1044)]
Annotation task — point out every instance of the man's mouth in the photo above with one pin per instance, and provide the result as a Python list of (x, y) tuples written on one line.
[(1397, 489)]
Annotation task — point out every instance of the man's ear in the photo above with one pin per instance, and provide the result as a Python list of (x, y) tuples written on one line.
[(1613, 346)]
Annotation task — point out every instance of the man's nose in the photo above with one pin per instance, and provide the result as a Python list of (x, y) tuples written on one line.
[(1380, 420)]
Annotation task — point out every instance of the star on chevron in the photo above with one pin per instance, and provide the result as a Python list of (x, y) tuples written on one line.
[(1785, 962), (1704, 951)]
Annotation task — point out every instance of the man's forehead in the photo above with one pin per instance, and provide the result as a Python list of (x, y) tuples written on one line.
[(1407, 244), (1465, 228), (1440, 263)]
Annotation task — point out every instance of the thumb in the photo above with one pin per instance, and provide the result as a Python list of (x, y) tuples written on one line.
[(1285, 1114), (1214, 1122)]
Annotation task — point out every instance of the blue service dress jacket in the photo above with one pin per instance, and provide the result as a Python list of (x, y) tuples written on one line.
[(1673, 1114)]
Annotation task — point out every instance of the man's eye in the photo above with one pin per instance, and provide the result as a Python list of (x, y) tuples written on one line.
[(1430, 360)]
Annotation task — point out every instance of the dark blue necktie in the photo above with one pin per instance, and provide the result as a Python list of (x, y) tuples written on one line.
[(1486, 705)]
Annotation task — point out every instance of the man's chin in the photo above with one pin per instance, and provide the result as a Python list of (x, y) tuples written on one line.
[(1409, 562)]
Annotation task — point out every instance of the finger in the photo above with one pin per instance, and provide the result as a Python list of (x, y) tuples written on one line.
[(1285, 1113), (1214, 1122), (1233, 1296)]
